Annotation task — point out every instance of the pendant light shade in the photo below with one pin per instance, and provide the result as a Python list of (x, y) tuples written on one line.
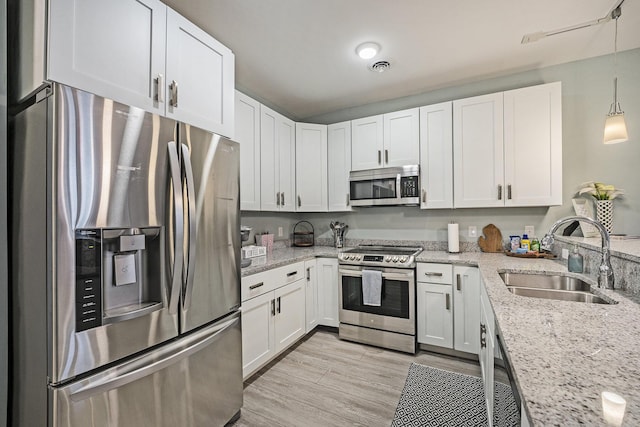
[(615, 128)]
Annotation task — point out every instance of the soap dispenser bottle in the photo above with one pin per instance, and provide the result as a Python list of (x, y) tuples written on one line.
[(576, 262)]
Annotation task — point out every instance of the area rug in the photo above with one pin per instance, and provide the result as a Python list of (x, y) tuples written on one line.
[(433, 397)]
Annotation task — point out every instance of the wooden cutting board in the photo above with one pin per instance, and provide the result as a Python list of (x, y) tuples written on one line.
[(492, 239)]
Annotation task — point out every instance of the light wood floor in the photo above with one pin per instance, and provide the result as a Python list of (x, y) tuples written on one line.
[(324, 381)]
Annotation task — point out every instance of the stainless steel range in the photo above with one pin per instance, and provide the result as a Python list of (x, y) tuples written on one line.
[(377, 296)]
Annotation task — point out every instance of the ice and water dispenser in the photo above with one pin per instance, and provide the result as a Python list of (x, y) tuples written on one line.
[(119, 274)]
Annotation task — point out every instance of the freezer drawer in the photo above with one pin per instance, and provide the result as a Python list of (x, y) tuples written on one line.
[(194, 381)]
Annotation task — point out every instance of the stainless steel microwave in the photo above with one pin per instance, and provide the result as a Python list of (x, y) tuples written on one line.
[(385, 186)]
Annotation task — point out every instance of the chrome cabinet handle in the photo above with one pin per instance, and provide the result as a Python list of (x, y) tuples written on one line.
[(282, 198), (293, 273), (499, 192), (509, 191), (257, 285), (348, 199), (432, 273), (159, 88), (277, 199), (483, 336), (379, 157), (424, 196), (458, 282), (308, 274), (173, 89), (386, 156), (191, 192), (279, 307), (178, 242), (299, 201), (447, 301), (273, 307)]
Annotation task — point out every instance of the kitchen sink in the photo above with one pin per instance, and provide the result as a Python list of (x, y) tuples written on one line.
[(551, 287)]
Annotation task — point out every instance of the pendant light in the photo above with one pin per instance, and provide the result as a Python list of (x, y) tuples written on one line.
[(615, 128)]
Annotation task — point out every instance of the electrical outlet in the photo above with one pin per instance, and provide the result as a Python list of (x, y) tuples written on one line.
[(565, 253), (529, 230), (473, 231), (280, 232)]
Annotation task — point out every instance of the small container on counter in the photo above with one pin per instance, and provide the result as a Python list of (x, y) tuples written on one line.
[(576, 261), (535, 244), (515, 243), (525, 243)]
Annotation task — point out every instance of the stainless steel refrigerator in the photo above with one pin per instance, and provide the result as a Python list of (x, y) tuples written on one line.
[(125, 267)]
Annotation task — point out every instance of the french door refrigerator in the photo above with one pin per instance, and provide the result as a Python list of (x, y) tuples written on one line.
[(125, 269)]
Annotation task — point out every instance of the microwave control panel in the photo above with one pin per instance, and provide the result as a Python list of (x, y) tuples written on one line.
[(409, 186), (88, 279)]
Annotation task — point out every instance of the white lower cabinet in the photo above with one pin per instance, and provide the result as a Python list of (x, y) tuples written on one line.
[(466, 308), (289, 318), (258, 333), (435, 315), (328, 288), (311, 294), (486, 335)]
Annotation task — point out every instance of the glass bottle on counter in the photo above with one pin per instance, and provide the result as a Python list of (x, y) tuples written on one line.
[(576, 261)]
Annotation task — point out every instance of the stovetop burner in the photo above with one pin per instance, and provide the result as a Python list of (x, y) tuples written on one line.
[(381, 256)]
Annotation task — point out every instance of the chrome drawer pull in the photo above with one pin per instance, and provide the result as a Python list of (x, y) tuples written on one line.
[(257, 285)]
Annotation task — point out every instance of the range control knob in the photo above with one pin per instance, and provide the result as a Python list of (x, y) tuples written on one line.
[(403, 259), (395, 259), (387, 259)]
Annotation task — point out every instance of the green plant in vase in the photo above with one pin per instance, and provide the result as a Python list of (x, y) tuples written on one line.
[(603, 195)]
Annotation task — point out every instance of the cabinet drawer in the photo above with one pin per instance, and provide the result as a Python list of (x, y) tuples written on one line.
[(258, 284), (434, 273)]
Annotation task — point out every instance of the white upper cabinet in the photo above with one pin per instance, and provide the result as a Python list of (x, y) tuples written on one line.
[(114, 49), (277, 161), (311, 167), (366, 143), (141, 53), (386, 140), (436, 156), (508, 148), (402, 138), (533, 145), (247, 134), (478, 151), (338, 165), (200, 77)]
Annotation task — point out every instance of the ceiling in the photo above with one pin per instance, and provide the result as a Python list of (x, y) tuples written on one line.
[(298, 56)]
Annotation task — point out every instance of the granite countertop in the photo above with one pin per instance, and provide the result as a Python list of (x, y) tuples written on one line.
[(288, 255), (563, 354)]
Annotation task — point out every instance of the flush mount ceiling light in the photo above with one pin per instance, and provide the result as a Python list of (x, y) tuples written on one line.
[(615, 128), (368, 50), (534, 37)]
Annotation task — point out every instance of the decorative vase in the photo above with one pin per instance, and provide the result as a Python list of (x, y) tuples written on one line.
[(604, 213)]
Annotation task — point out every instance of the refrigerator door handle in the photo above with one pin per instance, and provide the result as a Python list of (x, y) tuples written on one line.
[(193, 227), (178, 252), (134, 372)]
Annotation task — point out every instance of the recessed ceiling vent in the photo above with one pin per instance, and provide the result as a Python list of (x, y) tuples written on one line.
[(380, 66)]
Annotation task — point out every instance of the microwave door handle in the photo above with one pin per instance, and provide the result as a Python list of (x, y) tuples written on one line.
[(193, 226), (398, 187), (178, 218)]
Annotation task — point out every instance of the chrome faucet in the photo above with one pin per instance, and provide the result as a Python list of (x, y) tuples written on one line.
[(605, 273)]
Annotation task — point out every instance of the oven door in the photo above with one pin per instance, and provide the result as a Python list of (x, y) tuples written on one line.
[(396, 312)]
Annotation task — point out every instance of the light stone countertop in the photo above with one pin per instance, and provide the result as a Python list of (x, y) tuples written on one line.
[(563, 354)]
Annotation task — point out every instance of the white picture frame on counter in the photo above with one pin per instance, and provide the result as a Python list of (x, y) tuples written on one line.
[(583, 208)]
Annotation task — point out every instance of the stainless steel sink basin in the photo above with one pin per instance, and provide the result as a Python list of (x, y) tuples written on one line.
[(550, 287)]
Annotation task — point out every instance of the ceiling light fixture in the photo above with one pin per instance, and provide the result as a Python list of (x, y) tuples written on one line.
[(368, 50), (615, 128)]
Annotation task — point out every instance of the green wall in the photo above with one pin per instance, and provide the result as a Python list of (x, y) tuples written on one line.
[(587, 92)]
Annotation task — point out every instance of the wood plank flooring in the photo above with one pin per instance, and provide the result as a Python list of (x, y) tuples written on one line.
[(324, 381)]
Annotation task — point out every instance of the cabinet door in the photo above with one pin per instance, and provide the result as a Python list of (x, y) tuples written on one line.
[(311, 167), (114, 49), (247, 134), (401, 138), (287, 163), (436, 156), (478, 159), (338, 166), (486, 351), (290, 321), (466, 300), (203, 70), (269, 160), (328, 288), (311, 295), (533, 145), (366, 143), (435, 315), (258, 334)]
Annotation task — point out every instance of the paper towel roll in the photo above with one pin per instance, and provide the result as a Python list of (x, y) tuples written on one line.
[(453, 238)]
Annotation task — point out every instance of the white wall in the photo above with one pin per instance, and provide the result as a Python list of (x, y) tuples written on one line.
[(587, 92)]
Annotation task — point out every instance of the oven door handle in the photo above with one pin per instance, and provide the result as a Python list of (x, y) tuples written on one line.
[(403, 275)]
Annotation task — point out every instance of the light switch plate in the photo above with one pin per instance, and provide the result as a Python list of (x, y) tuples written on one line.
[(473, 231), (565, 253), (280, 231), (529, 230)]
